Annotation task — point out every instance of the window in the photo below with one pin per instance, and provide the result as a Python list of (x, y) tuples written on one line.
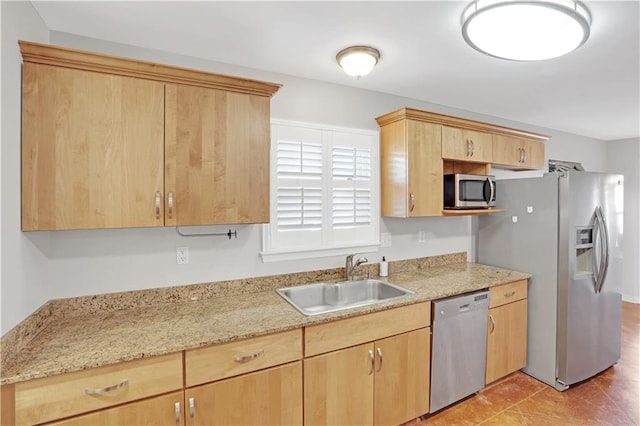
[(324, 191)]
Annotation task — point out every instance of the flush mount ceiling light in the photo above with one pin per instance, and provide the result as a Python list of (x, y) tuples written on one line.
[(531, 30), (358, 60)]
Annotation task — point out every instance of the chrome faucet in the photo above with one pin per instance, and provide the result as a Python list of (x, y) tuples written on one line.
[(349, 266)]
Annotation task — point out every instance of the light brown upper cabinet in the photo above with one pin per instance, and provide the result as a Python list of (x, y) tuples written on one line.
[(418, 147), (216, 156), (466, 145), (517, 153), (112, 143), (411, 180), (92, 149)]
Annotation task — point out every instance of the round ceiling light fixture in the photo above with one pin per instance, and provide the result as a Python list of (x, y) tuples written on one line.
[(531, 30), (358, 60)]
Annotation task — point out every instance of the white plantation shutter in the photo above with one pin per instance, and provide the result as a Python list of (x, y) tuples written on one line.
[(298, 190), (351, 163), (297, 159), (324, 190), (351, 207), (351, 167), (299, 208)]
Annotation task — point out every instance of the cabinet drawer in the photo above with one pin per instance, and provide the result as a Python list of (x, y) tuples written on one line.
[(160, 410), (234, 358), (365, 328), (507, 293), (51, 398)]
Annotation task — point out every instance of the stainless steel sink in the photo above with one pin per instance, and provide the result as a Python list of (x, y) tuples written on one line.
[(324, 297)]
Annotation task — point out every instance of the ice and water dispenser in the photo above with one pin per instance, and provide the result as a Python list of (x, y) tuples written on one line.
[(584, 250)]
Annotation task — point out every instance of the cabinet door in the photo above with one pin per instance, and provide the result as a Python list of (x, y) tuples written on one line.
[(518, 153), (466, 145), (534, 155), (163, 410), (216, 156), (92, 150), (425, 169), (267, 397), (402, 377), (507, 340), (338, 387)]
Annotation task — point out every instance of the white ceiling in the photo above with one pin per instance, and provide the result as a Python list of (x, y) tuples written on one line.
[(594, 91)]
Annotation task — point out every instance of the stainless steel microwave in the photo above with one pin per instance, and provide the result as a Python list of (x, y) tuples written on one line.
[(469, 191)]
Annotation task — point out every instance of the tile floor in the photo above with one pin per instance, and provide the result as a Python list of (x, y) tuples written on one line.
[(610, 398)]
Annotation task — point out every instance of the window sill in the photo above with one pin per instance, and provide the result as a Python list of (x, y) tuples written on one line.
[(284, 255)]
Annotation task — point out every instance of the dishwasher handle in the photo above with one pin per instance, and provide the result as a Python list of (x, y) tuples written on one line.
[(460, 305)]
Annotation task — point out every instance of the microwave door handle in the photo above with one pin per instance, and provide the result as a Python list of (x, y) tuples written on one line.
[(492, 190)]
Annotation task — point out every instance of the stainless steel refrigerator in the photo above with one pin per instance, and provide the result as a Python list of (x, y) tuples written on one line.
[(565, 229)]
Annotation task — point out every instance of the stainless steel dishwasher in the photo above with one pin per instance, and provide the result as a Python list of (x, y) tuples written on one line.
[(458, 347)]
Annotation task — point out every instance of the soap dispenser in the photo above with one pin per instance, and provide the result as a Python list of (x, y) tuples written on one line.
[(384, 267)]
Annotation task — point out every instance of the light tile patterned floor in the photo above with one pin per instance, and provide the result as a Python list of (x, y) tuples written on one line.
[(610, 398)]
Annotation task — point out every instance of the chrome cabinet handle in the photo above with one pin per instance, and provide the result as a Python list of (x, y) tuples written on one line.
[(473, 148), (192, 409), (468, 148), (510, 294), (247, 358), (493, 323), (380, 357), (177, 407), (170, 204), (412, 204), (521, 155), (98, 391), (158, 201), (524, 155), (373, 360)]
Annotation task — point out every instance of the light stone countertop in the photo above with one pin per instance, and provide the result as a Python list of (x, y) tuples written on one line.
[(75, 343)]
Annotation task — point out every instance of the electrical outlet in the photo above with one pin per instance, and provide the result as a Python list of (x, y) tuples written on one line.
[(182, 255), (385, 239), (422, 236)]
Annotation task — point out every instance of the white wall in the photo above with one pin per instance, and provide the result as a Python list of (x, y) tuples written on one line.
[(101, 261), (23, 284), (623, 156)]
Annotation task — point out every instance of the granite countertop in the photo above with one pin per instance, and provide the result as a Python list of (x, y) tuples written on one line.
[(92, 340)]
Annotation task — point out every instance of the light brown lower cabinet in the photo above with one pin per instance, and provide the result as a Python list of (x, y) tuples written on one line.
[(507, 331), (379, 383), (267, 397), (160, 410)]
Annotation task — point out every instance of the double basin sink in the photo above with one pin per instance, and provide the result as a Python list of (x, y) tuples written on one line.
[(325, 297)]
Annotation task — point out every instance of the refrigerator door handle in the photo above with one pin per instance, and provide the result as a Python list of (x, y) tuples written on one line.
[(598, 255), (604, 247), (601, 259)]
